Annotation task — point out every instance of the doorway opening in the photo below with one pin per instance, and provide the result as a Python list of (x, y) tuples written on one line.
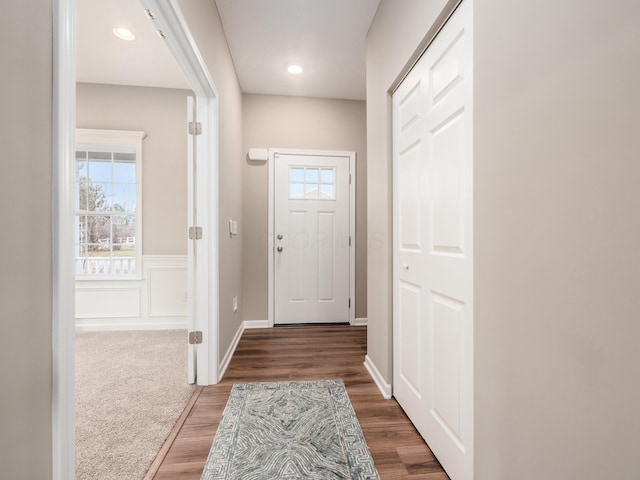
[(168, 19)]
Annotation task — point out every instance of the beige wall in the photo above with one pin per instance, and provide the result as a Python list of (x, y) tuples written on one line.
[(204, 23), (396, 31), (556, 230), (305, 123), (25, 265), (161, 113)]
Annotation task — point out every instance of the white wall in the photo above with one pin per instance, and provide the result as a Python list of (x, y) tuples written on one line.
[(25, 264), (396, 31), (305, 123), (556, 229)]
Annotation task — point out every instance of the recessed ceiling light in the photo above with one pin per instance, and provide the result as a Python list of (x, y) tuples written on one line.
[(123, 33), (295, 69)]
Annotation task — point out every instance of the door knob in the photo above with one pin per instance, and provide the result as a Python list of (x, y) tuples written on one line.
[(279, 249), (405, 266), (279, 237)]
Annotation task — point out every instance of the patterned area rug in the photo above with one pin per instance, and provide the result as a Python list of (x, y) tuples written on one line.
[(287, 431)]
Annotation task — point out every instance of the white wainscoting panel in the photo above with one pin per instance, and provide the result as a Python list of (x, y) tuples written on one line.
[(106, 300), (167, 281), (157, 301)]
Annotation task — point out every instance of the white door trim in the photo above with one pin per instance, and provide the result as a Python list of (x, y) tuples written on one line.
[(63, 314), (183, 48), (352, 223)]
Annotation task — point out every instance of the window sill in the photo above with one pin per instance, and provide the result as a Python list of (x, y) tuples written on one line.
[(108, 278)]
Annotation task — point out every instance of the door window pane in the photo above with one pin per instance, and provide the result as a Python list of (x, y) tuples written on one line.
[(326, 175), (311, 175), (311, 190), (296, 190), (326, 192), (311, 183), (296, 174)]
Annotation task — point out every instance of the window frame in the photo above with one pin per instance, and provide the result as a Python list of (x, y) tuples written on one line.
[(111, 140)]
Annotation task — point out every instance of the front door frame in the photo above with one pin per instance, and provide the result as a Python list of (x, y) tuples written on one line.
[(183, 48), (271, 225)]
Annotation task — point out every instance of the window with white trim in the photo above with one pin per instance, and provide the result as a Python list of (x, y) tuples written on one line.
[(108, 240)]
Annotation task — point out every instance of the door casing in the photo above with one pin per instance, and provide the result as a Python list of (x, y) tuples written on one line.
[(271, 219)]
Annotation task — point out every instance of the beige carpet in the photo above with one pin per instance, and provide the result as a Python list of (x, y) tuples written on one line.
[(131, 387)]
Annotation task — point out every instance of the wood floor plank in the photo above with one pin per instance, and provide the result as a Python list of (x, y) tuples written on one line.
[(306, 353)]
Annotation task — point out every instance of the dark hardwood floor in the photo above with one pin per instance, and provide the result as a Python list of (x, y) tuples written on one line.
[(306, 353)]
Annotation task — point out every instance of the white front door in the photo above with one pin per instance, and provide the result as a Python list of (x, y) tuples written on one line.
[(311, 246), (433, 240)]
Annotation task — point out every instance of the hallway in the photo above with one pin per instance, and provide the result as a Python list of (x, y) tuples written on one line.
[(306, 353)]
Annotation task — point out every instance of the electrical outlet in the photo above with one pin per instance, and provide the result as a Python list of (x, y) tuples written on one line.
[(235, 304)]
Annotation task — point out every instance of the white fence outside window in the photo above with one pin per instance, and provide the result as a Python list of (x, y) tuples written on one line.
[(105, 266)]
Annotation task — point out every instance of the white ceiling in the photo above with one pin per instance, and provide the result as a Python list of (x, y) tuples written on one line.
[(326, 37), (104, 58)]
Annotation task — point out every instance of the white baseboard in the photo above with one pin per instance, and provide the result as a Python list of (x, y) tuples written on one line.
[(256, 324), (360, 322), (224, 364), (383, 386), (247, 324)]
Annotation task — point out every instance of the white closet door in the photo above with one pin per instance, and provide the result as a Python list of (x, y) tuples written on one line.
[(433, 238)]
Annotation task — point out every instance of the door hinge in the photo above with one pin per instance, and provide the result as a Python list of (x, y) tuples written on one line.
[(349, 303), (195, 128), (349, 179), (349, 240), (195, 338), (195, 233)]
